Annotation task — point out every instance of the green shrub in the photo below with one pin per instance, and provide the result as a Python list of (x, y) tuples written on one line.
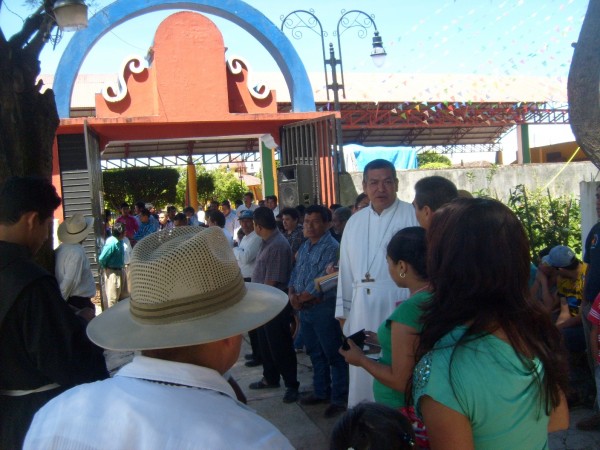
[(148, 184), (434, 165), (424, 159), (548, 220)]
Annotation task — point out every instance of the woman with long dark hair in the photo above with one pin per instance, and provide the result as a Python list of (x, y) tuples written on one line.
[(398, 336), (491, 372)]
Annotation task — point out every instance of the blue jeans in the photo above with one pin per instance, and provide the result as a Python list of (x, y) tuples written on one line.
[(323, 337)]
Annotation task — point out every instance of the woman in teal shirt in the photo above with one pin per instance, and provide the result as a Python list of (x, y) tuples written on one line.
[(491, 373), (398, 335)]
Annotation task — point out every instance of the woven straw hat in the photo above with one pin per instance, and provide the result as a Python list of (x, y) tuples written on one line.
[(187, 289), (75, 229)]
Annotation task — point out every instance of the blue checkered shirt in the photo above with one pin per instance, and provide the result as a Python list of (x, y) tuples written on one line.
[(311, 261)]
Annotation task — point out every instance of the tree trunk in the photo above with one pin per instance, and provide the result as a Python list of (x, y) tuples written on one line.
[(584, 85), (28, 119)]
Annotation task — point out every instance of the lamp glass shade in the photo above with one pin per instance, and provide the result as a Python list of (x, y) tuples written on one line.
[(378, 54), (70, 15), (378, 57)]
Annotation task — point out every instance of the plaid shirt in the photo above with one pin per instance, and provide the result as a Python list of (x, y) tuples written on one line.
[(295, 238), (273, 261), (311, 262)]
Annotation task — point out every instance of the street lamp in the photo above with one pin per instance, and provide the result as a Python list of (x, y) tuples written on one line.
[(70, 15), (301, 19)]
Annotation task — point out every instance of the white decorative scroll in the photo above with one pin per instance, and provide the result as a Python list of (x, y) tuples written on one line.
[(114, 94), (259, 90)]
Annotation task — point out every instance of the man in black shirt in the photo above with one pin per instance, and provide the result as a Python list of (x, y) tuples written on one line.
[(43, 346)]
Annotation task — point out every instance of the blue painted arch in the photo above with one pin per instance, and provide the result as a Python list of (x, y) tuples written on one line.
[(236, 11)]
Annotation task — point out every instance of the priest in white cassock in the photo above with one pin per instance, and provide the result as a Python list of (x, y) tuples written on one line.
[(366, 294)]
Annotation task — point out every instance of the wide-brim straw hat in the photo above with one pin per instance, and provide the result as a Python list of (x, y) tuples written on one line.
[(187, 289), (75, 229)]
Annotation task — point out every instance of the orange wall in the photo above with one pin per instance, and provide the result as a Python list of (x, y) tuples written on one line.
[(557, 153)]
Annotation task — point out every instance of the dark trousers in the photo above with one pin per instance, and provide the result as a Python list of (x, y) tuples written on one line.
[(277, 350), (254, 343)]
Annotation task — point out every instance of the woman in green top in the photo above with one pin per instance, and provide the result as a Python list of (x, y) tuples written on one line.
[(491, 373), (398, 335)]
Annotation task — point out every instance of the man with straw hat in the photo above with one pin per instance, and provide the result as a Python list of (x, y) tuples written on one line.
[(187, 319), (72, 266)]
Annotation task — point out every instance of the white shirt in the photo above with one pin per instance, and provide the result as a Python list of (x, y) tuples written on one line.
[(246, 252), (73, 272), (231, 221), (136, 410), (367, 304), (127, 249), (228, 235), (201, 215)]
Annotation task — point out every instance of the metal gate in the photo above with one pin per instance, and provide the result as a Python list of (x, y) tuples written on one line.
[(313, 142), (92, 151)]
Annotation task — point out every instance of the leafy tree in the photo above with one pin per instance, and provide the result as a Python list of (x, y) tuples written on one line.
[(432, 160), (149, 184), (206, 184), (28, 118), (227, 185), (548, 220)]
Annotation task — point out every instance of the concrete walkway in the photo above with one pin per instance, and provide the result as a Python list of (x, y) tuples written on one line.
[(306, 428)]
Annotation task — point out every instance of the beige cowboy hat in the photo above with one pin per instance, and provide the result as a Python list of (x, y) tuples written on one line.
[(187, 289), (75, 229)]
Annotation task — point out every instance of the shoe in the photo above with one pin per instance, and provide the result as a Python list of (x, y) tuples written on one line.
[(291, 395), (334, 410), (262, 384), (248, 356), (312, 399), (590, 424), (253, 363)]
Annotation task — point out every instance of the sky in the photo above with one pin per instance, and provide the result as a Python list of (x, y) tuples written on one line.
[(486, 37), (482, 37)]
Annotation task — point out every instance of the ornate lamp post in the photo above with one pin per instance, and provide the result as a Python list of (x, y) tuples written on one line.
[(300, 20)]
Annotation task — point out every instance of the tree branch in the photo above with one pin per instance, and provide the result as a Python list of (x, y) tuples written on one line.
[(30, 26)]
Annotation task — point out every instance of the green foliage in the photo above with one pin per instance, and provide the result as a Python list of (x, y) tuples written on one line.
[(180, 189), (434, 165), (148, 184), (217, 185), (425, 159), (548, 221), (228, 186), (206, 184)]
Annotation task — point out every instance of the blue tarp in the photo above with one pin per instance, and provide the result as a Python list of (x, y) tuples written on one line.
[(402, 158)]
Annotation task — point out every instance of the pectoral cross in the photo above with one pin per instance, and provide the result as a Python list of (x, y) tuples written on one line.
[(368, 279)]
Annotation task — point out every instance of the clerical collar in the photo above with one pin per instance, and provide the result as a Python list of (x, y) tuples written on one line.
[(392, 206)]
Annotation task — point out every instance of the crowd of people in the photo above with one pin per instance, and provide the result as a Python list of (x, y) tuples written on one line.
[(426, 324)]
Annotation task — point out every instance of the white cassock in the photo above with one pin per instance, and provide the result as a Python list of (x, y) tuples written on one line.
[(366, 304)]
